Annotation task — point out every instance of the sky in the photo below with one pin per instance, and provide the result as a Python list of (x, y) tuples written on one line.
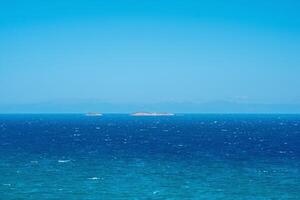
[(145, 52)]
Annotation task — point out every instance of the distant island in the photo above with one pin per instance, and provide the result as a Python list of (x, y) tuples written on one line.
[(93, 114), (152, 114)]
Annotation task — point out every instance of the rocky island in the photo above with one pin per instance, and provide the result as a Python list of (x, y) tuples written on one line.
[(93, 114), (152, 114)]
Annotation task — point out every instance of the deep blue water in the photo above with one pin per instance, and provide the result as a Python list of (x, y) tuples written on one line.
[(123, 157)]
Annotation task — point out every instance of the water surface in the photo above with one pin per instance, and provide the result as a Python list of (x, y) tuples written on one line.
[(124, 157)]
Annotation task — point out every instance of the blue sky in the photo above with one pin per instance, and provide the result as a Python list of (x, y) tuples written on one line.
[(150, 51)]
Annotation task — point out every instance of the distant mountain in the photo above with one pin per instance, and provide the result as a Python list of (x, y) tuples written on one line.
[(93, 106)]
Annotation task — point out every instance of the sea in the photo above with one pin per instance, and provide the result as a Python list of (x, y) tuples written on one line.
[(181, 157)]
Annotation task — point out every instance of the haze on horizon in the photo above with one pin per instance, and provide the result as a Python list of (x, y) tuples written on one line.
[(145, 52)]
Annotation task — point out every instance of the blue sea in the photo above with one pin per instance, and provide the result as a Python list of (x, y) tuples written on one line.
[(209, 157)]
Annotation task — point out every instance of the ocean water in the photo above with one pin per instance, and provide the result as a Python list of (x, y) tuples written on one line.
[(123, 157)]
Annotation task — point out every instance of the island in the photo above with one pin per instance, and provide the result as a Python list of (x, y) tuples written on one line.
[(93, 114), (152, 114)]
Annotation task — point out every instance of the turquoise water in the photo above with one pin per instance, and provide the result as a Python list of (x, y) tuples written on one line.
[(123, 157)]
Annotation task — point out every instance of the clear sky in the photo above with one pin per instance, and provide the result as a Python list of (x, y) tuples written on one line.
[(137, 51)]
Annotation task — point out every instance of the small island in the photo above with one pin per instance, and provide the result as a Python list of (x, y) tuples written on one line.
[(93, 114), (152, 114)]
